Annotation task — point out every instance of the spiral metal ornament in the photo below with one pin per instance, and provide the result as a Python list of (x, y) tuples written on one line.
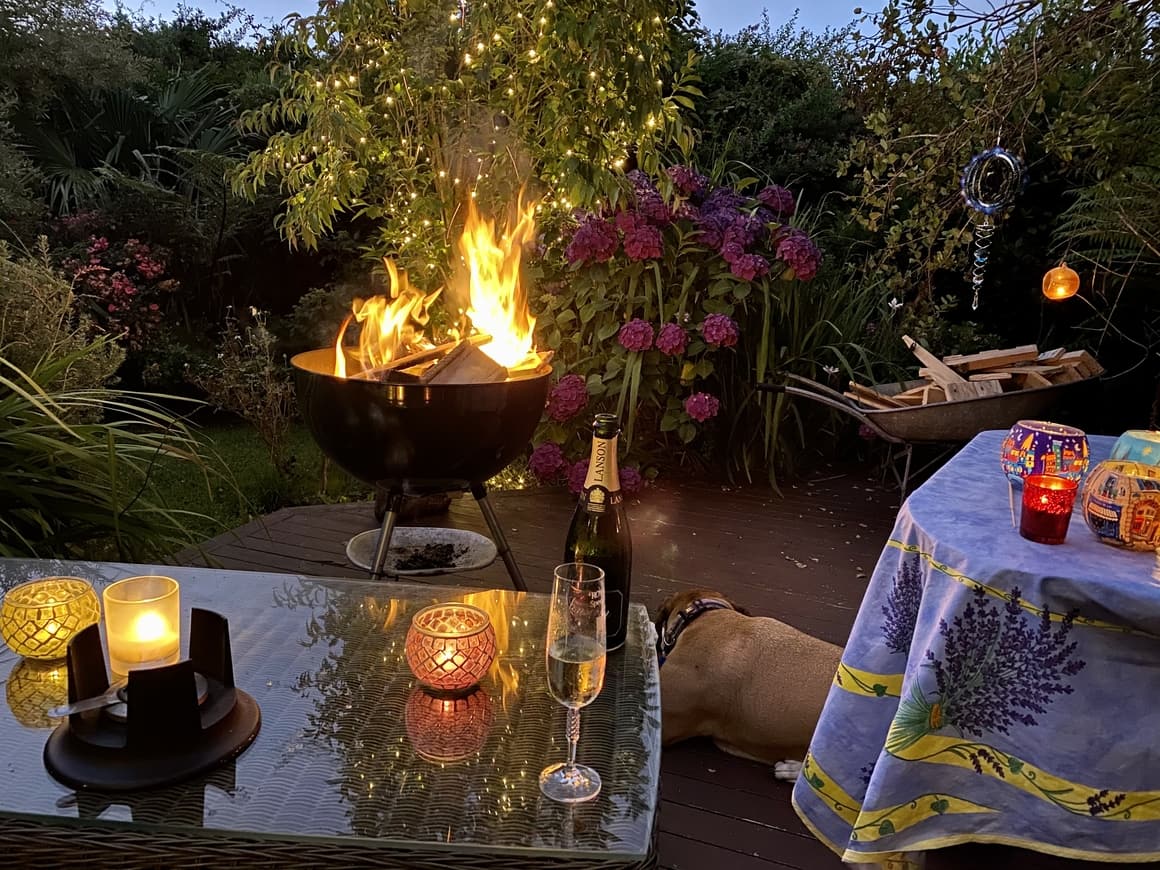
[(990, 183)]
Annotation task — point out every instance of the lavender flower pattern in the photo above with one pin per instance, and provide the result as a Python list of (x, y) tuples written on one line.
[(1000, 668), (901, 608)]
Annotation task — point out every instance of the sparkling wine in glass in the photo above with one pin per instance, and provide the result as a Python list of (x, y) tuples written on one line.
[(576, 651)]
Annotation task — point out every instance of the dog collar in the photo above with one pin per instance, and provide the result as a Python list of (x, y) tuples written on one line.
[(667, 637)]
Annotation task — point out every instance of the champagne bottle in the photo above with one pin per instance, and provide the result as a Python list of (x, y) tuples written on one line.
[(599, 532)]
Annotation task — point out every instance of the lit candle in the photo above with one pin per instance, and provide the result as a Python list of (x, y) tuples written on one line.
[(1047, 505), (449, 647), (142, 623)]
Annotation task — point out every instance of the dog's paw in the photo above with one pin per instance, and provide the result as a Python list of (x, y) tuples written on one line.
[(787, 771)]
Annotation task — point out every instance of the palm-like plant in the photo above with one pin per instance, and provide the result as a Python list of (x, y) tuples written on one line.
[(77, 465), (91, 138)]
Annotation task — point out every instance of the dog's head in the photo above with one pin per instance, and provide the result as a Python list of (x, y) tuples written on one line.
[(679, 601)]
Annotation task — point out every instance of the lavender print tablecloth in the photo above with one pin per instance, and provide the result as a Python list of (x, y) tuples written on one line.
[(993, 689)]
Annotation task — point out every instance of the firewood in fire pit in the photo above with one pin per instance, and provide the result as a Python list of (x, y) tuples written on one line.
[(465, 364)]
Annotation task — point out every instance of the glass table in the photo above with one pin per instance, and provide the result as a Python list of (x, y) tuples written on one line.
[(354, 764)]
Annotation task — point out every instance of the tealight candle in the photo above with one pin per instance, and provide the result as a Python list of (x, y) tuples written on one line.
[(1047, 505), (142, 623), (449, 647)]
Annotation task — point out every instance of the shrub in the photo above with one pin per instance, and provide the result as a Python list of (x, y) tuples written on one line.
[(77, 465), (249, 378), (668, 311), (42, 320)]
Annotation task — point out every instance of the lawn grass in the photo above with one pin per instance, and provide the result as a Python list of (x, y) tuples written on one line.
[(251, 486)]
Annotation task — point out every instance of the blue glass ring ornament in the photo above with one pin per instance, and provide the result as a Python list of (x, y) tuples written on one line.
[(990, 183)]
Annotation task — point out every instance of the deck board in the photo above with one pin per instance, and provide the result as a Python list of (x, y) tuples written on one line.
[(804, 558)]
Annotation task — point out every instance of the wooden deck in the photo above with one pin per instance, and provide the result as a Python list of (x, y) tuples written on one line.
[(804, 559)]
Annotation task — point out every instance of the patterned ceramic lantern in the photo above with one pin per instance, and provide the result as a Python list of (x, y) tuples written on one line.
[(1138, 445), (1121, 503), (1038, 447)]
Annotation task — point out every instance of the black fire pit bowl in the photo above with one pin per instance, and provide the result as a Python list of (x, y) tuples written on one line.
[(414, 438)]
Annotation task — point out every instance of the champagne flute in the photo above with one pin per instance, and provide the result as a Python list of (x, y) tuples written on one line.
[(576, 650)]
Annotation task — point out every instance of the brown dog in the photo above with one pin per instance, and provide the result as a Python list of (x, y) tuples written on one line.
[(754, 685)]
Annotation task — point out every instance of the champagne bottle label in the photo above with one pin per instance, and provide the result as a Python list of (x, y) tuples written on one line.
[(602, 484), (614, 612)]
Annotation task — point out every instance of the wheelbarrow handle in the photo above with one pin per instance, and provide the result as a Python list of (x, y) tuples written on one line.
[(825, 395)]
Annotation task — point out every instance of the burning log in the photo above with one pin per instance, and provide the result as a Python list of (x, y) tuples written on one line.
[(464, 364)]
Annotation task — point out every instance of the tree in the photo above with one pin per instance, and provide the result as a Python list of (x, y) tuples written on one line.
[(392, 112)]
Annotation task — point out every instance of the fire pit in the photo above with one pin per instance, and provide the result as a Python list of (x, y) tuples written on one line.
[(417, 418)]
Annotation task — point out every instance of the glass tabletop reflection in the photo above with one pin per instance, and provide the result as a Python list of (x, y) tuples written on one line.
[(350, 745)]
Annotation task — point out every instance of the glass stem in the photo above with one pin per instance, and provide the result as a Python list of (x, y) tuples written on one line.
[(573, 734)]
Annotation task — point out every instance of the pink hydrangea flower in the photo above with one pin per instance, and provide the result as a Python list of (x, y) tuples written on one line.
[(672, 339), (577, 473), (778, 199), (720, 330), (595, 241), (702, 406), (636, 335), (567, 399), (644, 242), (547, 462), (750, 266), (800, 253)]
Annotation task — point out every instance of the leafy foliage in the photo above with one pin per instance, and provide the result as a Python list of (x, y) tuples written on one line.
[(77, 466), (42, 321), (393, 112), (775, 102)]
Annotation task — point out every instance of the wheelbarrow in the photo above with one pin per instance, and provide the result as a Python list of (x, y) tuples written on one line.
[(939, 423)]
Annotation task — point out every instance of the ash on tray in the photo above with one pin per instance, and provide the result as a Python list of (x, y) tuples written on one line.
[(428, 557)]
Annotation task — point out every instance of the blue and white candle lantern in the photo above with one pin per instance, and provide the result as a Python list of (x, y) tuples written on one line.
[(1039, 447), (1138, 445)]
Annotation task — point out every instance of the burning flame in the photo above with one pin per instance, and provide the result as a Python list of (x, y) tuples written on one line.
[(498, 303), (389, 326)]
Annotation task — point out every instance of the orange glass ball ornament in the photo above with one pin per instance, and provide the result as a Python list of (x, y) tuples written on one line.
[(1062, 282)]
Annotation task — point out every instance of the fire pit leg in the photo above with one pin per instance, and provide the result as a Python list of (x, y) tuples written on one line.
[(394, 505), (480, 492)]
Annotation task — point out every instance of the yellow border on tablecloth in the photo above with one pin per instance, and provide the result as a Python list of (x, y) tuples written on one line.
[(972, 583), (854, 857), (868, 684)]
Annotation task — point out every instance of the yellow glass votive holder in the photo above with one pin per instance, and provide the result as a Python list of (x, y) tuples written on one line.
[(142, 623), (39, 618)]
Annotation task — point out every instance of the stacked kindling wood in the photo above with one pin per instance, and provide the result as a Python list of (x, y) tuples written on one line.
[(955, 378)]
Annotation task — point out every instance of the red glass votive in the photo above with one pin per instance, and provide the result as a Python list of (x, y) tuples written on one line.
[(1047, 504)]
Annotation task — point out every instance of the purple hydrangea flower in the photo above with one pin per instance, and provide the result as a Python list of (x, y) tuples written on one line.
[(778, 199), (720, 330), (631, 481), (636, 335), (732, 251), (577, 473), (672, 339), (687, 180), (686, 211), (702, 406), (800, 254), (595, 241), (567, 399), (750, 266), (744, 231), (547, 462), (712, 224), (639, 180), (723, 198)]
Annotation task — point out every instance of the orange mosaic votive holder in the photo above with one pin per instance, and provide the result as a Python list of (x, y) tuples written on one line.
[(1047, 505), (450, 646)]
